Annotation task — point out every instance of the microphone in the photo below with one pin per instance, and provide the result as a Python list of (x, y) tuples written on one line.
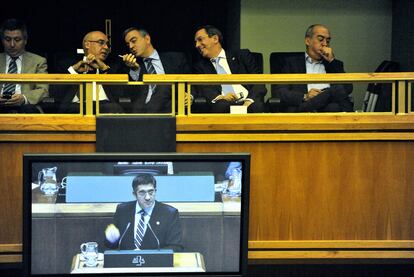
[(152, 231), (123, 234)]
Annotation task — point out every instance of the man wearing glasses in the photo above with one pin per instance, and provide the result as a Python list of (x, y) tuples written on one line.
[(145, 223), (96, 49), (318, 58)]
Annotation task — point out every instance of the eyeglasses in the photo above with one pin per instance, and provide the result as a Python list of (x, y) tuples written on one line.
[(102, 42), (143, 193)]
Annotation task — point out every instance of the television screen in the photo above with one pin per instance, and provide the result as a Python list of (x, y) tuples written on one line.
[(135, 214)]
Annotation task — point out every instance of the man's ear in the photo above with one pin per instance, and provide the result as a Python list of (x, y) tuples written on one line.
[(307, 41), (215, 38), (147, 39)]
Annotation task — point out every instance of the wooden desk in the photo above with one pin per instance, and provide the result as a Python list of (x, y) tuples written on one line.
[(183, 262)]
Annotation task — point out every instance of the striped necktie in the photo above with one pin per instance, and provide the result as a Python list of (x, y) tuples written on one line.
[(150, 70), (139, 235), (11, 88), (220, 70)]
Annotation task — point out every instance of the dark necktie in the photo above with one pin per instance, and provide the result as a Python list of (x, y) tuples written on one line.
[(150, 70), (220, 70), (11, 88), (139, 235)]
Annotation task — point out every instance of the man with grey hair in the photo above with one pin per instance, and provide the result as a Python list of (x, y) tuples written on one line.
[(318, 58), (145, 59), (19, 98)]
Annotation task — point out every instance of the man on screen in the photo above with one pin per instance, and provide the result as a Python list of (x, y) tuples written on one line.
[(145, 223)]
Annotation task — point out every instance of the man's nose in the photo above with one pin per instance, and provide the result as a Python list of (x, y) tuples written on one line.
[(12, 43)]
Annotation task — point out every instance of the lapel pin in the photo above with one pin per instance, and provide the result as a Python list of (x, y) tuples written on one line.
[(233, 58), (158, 223)]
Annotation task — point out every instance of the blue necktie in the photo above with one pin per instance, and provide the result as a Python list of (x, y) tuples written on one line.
[(220, 70), (139, 235), (11, 88), (150, 70)]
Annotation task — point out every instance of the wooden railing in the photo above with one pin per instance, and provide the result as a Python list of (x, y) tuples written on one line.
[(398, 80)]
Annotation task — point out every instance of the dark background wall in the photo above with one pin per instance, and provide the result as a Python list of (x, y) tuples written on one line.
[(59, 26), (403, 34)]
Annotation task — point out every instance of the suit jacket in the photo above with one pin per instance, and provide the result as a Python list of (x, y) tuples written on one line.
[(164, 221), (66, 93), (160, 102), (292, 95), (31, 63), (240, 62)]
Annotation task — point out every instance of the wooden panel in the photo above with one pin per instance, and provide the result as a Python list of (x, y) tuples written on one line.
[(305, 122), (336, 244), (327, 190), (11, 160), (258, 123), (380, 256), (250, 137)]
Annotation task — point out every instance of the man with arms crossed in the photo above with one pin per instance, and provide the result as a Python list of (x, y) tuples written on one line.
[(96, 50)]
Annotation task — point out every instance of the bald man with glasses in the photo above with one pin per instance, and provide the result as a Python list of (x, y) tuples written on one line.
[(96, 49)]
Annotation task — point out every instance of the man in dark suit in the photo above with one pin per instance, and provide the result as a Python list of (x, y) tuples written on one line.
[(208, 41), (96, 50), (145, 223), (145, 59), (19, 98), (318, 58)]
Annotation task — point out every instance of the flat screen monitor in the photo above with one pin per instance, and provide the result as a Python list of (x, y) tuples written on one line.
[(84, 216)]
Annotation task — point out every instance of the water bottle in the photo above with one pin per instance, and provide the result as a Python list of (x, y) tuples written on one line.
[(234, 187)]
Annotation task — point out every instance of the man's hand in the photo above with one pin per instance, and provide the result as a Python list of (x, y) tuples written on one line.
[(130, 61), (230, 97), (112, 233), (81, 66), (312, 93), (327, 53), (96, 63), (247, 103), (15, 100)]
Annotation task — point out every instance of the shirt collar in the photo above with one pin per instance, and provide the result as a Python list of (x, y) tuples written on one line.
[(221, 55), (309, 60), (154, 55), (148, 211), (8, 58)]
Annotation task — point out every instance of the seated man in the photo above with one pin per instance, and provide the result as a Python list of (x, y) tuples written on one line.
[(145, 223), (208, 41), (144, 59), (318, 58), (19, 98), (96, 50)]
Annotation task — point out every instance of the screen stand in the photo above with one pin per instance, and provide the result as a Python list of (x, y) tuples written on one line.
[(135, 134)]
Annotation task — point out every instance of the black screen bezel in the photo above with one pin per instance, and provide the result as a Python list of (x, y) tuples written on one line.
[(29, 159)]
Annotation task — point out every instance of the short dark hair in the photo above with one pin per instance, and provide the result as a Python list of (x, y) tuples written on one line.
[(143, 179), (143, 32), (211, 31), (13, 24)]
